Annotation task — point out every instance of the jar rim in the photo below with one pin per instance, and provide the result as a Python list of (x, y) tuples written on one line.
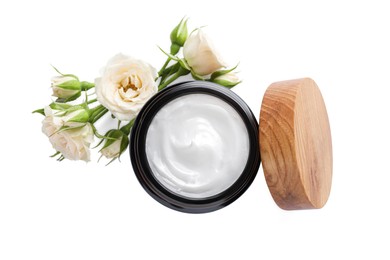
[(140, 162)]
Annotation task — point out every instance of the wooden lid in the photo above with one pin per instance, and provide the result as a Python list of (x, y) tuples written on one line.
[(296, 145)]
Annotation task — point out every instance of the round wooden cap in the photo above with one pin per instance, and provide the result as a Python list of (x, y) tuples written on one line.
[(296, 145)]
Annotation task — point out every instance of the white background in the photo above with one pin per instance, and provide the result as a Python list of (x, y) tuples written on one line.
[(73, 210)]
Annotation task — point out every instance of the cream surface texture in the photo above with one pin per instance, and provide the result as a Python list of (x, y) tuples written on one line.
[(197, 146)]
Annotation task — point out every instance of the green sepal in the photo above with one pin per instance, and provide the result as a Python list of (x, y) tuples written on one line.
[(59, 106), (225, 83), (113, 136), (124, 145), (39, 111), (180, 33), (175, 48), (222, 72), (70, 84), (169, 55), (65, 100), (102, 137), (54, 155), (96, 133), (196, 76), (81, 117), (65, 75), (113, 159), (126, 128), (67, 128), (98, 144), (184, 65), (77, 107), (85, 85)]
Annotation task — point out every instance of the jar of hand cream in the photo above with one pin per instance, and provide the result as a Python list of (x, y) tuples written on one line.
[(194, 147)]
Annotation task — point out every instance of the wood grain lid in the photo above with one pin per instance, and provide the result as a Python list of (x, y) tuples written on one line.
[(296, 145)]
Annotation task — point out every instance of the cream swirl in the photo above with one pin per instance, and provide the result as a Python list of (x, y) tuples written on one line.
[(197, 146)]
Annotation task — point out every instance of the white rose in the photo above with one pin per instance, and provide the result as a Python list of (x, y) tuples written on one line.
[(73, 144), (228, 80), (201, 55), (65, 87), (231, 77), (125, 86), (113, 150)]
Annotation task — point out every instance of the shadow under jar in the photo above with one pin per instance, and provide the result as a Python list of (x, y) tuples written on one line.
[(194, 147)]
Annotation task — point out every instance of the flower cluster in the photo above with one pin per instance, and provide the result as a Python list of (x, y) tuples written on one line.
[(125, 85)]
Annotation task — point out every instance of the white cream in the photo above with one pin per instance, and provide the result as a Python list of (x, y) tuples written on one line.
[(197, 146)]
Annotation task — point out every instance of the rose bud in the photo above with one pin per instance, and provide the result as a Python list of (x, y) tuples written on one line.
[(179, 36), (201, 55), (228, 80)]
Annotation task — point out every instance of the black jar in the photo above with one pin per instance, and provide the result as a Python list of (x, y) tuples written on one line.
[(144, 172)]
